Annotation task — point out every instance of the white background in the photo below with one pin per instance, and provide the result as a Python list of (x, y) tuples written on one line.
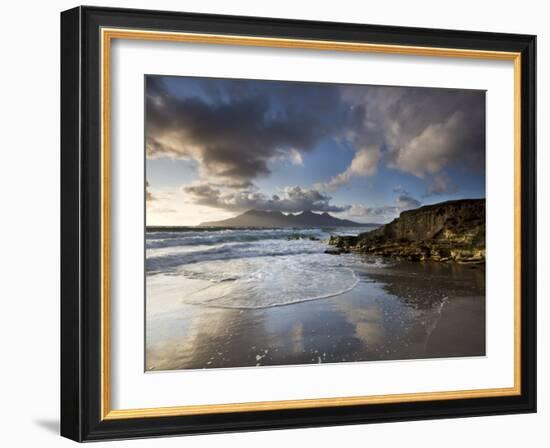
[(30, 220), (132, 388)]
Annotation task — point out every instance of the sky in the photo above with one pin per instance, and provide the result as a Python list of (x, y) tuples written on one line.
[(216, 148)]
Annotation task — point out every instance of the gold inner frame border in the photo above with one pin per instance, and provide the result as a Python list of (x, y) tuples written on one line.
[(107, 36)]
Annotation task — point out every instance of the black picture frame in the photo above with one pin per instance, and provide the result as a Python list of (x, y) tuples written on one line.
[(81, 415)]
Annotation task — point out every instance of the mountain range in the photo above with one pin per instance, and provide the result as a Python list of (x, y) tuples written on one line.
[(261, 218)]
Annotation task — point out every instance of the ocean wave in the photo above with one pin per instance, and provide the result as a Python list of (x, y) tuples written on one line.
[(251, 304), (261, 282), (165, 259), (248, 269), (191, 238)]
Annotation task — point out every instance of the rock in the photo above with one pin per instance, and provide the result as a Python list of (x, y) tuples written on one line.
[(298, 236), (448, 231), (335, 251), (343, 242)]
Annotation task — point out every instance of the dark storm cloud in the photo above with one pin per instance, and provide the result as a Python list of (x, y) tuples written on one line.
[(233, 128), (291, 199)]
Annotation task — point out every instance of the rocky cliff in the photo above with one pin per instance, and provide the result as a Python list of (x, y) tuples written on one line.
[(448, 231)]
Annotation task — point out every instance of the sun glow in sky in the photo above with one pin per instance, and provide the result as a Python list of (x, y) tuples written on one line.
[(216, 148)]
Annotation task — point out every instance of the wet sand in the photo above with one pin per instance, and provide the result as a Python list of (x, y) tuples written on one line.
[(405, 311)]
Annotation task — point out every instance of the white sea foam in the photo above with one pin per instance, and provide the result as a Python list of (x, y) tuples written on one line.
[(246, 269), (262, 282)]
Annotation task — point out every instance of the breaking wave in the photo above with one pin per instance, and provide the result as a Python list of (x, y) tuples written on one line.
[(246, 268)]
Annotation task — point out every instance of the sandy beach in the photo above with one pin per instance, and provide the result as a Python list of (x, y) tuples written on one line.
[(407, 310)]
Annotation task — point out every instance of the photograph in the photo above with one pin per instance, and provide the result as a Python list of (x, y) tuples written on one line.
[(286, 221), (293, 223)]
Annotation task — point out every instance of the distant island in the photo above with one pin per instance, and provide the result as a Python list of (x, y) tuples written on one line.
[(275, 219), (448, 231)]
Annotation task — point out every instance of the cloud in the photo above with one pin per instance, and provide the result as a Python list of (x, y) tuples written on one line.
[(293, 156), (364, 163), (417, 131), (400, 190), (163, 210), (148, 195), (420, 131), (437, 146), (384, 213), (291, 199), (403, 202), (440, 184), (233, 128), (296, 157)]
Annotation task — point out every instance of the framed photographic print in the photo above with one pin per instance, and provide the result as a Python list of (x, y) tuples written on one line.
[(274, 224)]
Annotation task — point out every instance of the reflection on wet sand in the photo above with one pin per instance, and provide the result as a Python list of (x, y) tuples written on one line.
[(405, 311)]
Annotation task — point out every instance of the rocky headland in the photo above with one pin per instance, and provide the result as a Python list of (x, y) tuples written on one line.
[(448, 231)]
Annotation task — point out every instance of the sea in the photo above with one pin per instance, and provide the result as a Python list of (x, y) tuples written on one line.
[(254, 297), (250, 268)]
